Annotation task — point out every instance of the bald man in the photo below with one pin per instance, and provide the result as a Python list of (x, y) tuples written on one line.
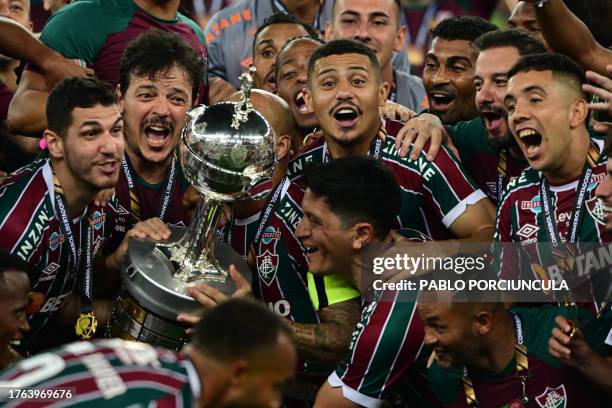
[(488, 344), (263, 231)]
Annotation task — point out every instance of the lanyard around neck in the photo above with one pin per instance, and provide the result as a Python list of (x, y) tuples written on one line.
[(522, 366)]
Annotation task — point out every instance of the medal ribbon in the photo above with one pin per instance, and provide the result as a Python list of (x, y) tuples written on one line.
[(563, 254), (522, 367), (135, 210), (502, 166), (82, 271)]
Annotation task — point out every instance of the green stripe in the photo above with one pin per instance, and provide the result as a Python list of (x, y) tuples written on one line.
[(389, 346)]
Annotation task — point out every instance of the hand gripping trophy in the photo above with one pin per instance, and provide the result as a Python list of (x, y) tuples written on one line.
[(228, 154)]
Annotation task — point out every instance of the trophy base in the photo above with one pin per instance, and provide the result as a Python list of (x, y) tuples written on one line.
[(153, 296)]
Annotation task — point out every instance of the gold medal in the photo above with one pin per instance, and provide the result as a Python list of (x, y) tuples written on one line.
[(86, 325)]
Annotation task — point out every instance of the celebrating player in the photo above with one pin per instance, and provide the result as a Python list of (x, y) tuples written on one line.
[(46, 214), (553, 200), (339, 220), (345, 91), (240, 356)]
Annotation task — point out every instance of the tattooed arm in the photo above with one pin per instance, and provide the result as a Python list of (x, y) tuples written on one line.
[(326, 342)]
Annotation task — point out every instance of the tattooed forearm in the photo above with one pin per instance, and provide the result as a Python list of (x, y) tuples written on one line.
[(326, 342)]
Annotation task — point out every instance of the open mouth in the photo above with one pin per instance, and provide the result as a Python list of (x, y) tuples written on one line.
[(531, 141), (310, 250), (271, 81), (300, 103), (492, 120), (346, 116), (156, 134), (108, 167), (441, 101)]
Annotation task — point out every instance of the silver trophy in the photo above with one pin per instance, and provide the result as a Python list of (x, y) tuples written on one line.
[(228, 153)]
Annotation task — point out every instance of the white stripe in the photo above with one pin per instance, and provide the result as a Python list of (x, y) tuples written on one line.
[(352, 395), (382, 332), (27, 228), (400, 349), (461, 207), (33, 177)]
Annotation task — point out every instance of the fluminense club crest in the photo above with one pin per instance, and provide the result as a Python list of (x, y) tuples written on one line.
[(596, 209), (267, 265), (552, 397)]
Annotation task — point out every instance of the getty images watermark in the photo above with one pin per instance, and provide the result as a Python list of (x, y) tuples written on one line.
[(508, 272)]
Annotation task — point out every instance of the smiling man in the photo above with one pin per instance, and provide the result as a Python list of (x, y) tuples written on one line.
[(553, 200), (449, 68), (345, 90), (486, 146), (159, 77), (292, 77), (482, 349), (46, 213), (268, 41), (339, 221)]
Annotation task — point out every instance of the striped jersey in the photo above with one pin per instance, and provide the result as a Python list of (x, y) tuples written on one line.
[(481, 161), (434, 194), (149, 198), (385, 347), (550, 384), (30, 229), (278, 261), (520, 217), (105, 373)]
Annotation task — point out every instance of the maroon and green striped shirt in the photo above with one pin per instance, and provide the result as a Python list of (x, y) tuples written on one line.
[(30, 229), (106, 373)]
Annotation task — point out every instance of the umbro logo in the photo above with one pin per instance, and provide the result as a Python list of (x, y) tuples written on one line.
[(527, 230), (51, 268)]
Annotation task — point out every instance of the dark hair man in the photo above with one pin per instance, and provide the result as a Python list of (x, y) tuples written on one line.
[(376, 23), (46, 215), (449, 67), (553, 200), (345, 90), (291, 78), (14, 300), (267, 42), (240, 356), (492, 357), (339, 220), (159, 79), (96, 32), (230, 32), (263, 231), (486, 146)]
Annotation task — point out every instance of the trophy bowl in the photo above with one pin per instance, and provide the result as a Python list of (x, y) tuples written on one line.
[(228, 151), (226, 164)]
